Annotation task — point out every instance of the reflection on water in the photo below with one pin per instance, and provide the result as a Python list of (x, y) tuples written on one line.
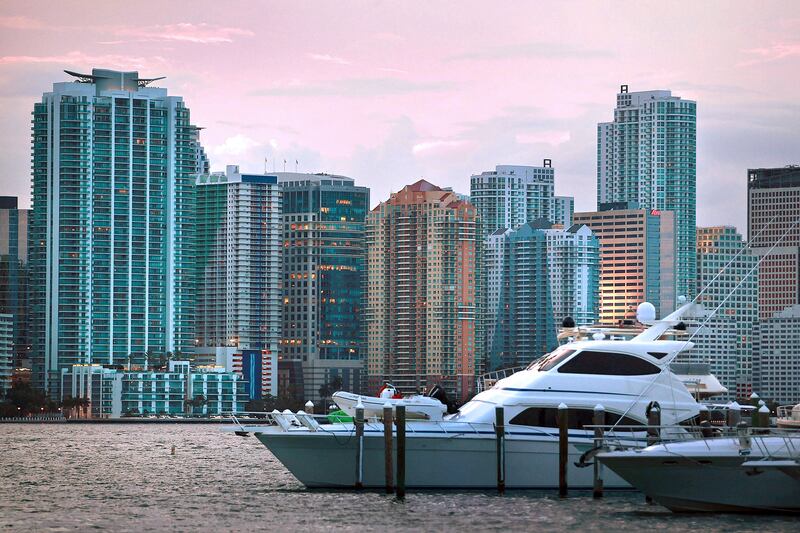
[(124, 477)]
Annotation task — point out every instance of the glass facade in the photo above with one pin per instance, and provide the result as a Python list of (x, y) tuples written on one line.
[(323, 280), (111, 237), (647, 155)]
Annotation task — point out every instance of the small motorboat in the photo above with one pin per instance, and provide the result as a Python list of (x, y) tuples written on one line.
[(789, 416), (420, 407)]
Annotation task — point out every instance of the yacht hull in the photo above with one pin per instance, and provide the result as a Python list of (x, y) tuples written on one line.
[(324, 459), (706, 484)]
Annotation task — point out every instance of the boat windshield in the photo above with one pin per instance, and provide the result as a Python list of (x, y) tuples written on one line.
[(550, 360), (474, 410)]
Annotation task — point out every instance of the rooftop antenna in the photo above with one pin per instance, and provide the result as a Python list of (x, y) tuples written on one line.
[(265, 165)]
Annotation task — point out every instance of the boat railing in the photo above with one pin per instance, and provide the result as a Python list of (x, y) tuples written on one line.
[(787, 412), (619, 437)]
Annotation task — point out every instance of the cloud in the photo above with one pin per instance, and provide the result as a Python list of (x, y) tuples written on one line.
[(393, 70), (539, 50), (328, 58), (773, 52), (352, 87), (428, 146), (236, 146), (187, 32), (20, 23), (81, 60)]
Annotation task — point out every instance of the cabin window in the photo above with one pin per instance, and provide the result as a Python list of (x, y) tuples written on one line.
[(547, 417), (609, 364), (550, 360), (658, 355)]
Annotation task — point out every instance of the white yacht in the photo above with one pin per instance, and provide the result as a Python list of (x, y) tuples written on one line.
[(625, 376), (748, 473)]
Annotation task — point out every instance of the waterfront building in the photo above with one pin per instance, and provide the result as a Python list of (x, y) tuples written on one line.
[(111, 238), (520, 321), (729, 288), (637, 259), (773, 209), (180, 390), (423, 263), (776, 364), (323, 283), (563, 210), (647, 155), (512, 195), (240, 264), (99, 387), (6, 352), (13, 273), (259, 368)]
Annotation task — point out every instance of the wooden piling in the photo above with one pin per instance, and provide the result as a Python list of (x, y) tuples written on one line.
[(500, 433), (563, 448), (653, 424), (599, 419), (359, 423), (763, 416), (734, 415), (387, 443), (400, 411)]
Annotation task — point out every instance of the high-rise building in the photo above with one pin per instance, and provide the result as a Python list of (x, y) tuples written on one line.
[(520, 321), (323, 283), (563, 210), (14, 273), (111, 238), (512, 195), (647, 155), (776, 365), (573, 262), (537, 275), (773, 228), (6, 352), (421, 309), (729, 286), (637, 258), (240, 268)]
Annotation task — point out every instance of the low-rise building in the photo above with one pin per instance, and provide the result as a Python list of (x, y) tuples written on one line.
[(182, 390), (6, 352)]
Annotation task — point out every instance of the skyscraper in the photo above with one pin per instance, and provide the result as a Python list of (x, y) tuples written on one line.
[(111, 238), (512, 195), (520, 323), (647, 155), (637, 250), (323, 283), (573, 259), (563, 210), (14, 273), (421, 310), (725, 343), (773, 219), (776, 366), (240, 265)]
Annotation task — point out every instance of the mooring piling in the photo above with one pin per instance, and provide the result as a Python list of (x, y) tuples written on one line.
[(500, 432), (359, 422), (400, 411), (387, 444), (599, 420), (563, 448)]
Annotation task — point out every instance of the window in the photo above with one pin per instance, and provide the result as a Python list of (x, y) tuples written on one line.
[(576, 418), (608, 363), (548, 361)]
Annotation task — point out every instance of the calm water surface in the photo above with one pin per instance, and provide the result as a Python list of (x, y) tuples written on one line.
[(123, 478)]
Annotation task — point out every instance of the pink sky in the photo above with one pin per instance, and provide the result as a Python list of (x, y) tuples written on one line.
[(388, 92)]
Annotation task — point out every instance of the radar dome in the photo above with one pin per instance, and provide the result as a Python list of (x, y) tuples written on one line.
[(646, 312)]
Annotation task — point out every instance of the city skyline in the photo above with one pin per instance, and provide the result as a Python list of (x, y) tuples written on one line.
[(419, 97)]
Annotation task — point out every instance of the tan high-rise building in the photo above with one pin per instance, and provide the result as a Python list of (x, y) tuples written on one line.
[(421, 305), (773, 212), (637, 259)]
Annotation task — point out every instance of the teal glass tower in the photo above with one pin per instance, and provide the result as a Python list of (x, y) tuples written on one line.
[(647, 155), (111, 235), (324, 282)]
